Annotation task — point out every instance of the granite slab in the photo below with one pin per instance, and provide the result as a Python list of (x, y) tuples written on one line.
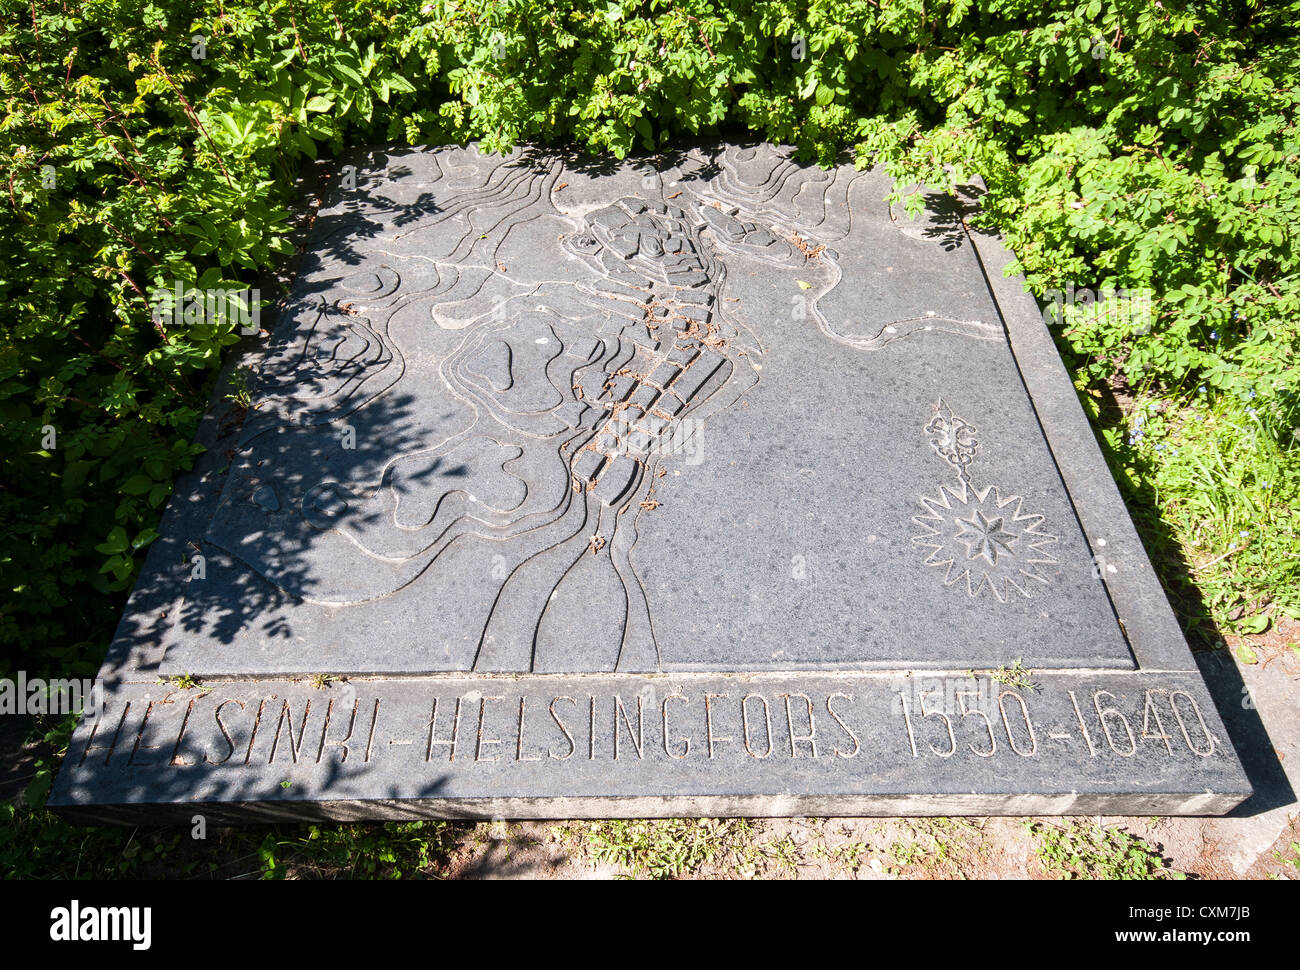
[(698, 484)]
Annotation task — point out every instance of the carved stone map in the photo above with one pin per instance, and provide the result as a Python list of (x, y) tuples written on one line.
[(699, 484)]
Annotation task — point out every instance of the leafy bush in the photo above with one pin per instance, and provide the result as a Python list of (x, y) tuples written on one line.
[(1124, 143)]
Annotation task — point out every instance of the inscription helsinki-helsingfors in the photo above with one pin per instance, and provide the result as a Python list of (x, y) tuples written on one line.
[(493, 724)]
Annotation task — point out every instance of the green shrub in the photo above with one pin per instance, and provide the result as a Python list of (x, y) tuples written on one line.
[(1124, 144)]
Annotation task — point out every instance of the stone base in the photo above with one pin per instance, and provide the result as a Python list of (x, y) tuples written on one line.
[(709, 487), (660, 746)]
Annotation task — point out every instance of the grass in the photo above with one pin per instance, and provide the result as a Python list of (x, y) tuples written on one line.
[(392, 850), (679, 848), (183, 682), (848, 855), (239, 394), (663, 848), (1073, 851), (1231, 491), (779, 858), (937, 848), (1214, 487), (1289, 859), (1017, 675), (36, 844)]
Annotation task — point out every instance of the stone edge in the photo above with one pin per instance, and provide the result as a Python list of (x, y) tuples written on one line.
[(784, 805), (1142, 609)]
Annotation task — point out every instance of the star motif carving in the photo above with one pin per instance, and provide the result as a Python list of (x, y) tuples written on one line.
[(985, 536), (996, 545)]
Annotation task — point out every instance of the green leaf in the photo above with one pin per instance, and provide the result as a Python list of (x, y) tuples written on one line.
[(1254, 625), (115, 543), (305, 143), (348, 74), (137, 485), (400, 84)]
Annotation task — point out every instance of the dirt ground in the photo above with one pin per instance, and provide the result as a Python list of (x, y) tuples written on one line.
[(876, 848)]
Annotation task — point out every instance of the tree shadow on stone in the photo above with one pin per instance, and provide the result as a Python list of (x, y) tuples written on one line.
[(941, 220)]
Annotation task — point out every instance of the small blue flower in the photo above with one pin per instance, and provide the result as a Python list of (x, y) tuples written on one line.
[(1214, 335), (1243, 533), (1202, 388), (1232, 547), (1252, 394), (1160, 447)]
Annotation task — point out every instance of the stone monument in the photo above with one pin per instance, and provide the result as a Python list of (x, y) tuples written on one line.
[(699, 485)]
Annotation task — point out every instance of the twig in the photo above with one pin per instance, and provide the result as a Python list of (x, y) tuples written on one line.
[(134, 244), (297, 38), (144, 183), (712, 57), (40, 53), (193, 116)]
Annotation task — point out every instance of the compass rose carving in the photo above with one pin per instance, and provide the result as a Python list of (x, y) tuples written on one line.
[(984, 536), (978, 535)]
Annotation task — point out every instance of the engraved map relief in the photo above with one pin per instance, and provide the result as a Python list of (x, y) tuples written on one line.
[(485, 410)]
